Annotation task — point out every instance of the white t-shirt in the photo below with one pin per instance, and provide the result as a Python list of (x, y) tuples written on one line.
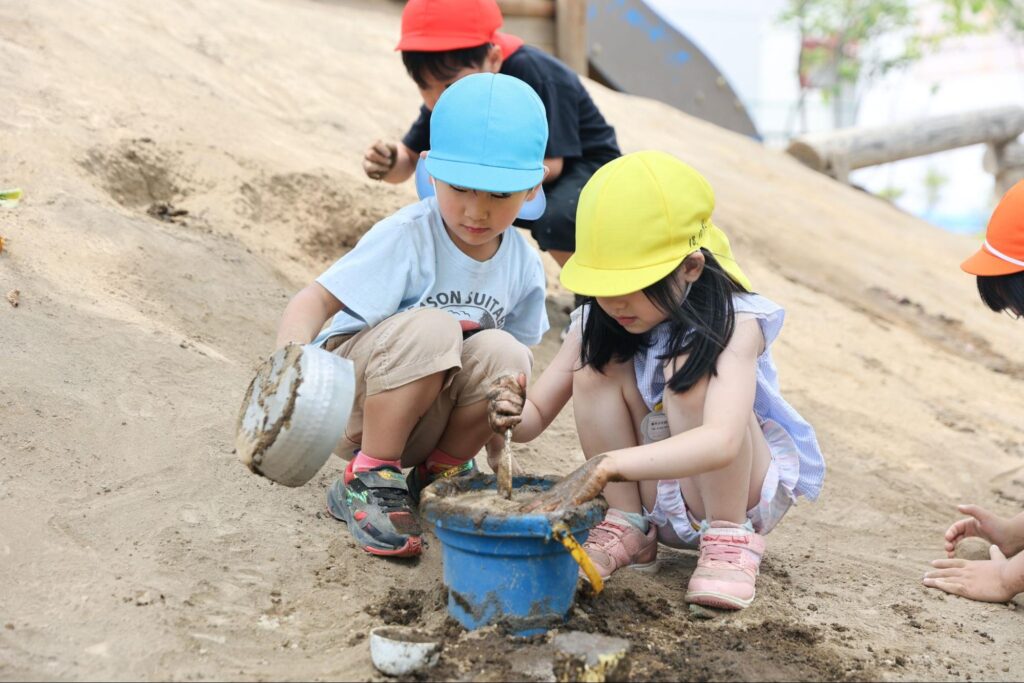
[(408, 260)]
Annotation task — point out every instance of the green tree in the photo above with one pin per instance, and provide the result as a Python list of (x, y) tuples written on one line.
[(982, 16), (839, 46), (839, 40)]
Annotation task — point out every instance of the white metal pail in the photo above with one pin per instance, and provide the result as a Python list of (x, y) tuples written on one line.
[(294, 413)]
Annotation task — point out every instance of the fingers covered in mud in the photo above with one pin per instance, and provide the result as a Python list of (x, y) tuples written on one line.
[(506, 397), (579, 486)]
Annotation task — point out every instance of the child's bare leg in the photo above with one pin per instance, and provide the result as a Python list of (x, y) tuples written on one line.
[(391, 415), (485, 356), (649, 494), (467, 431), (608, 419), (727, 493), (726, 572)]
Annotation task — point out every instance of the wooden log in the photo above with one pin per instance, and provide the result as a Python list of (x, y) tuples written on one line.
[(571, 32), (1008, 155), (839, 152), (540, 9), (1007, 179)]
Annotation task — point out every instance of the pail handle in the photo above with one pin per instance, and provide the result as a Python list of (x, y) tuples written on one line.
[(560, 532)]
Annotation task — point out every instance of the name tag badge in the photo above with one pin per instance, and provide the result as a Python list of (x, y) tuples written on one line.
[(654, 427)]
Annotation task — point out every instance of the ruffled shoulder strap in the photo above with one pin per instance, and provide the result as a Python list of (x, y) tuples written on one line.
[(768, 313)]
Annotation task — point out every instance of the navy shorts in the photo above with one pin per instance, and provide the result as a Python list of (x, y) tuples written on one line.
[(556, 229)]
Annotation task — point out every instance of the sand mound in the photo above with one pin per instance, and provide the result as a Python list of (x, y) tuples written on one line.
[(187, 166)]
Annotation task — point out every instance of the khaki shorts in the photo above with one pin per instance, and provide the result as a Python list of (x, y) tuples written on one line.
[(414, 344)]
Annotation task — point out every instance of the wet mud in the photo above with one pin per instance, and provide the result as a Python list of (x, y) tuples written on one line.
[(668, 643), (492, 501), (476, 499)]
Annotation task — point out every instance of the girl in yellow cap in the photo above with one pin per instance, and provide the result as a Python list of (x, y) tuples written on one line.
[(677, 402), (999, 266)]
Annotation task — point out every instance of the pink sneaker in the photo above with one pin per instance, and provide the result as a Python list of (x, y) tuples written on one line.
[(615, 543), (730, 557)]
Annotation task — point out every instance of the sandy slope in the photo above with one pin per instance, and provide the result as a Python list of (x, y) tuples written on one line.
[(132, 545)]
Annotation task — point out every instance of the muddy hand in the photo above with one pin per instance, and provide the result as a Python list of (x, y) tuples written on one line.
[(380, 158), (582, 484), (505, 399)]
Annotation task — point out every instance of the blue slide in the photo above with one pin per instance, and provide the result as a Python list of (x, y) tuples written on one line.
[(634, 50)]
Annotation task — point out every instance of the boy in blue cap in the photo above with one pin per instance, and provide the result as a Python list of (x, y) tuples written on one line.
[(433, 303), (444, 40)]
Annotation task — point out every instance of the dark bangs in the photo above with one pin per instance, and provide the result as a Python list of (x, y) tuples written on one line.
[(1003, 292), (701, 326), (443, 65)]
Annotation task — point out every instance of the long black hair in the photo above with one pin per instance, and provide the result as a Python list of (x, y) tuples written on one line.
[(702, 323), (1003, 292)]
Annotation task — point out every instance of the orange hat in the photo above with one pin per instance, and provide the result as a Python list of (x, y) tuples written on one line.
[(441, 25), (1003, 250)]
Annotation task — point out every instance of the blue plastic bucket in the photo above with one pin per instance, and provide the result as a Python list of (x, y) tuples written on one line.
[(501, 568)]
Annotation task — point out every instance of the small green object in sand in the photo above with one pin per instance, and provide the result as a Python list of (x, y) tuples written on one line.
[(10, 197)]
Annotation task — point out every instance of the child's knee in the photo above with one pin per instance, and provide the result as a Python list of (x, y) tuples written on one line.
[(430, 330), (491, 353)]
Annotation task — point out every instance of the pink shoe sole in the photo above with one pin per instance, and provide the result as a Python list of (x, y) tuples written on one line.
[(718, 600), (649, 568)]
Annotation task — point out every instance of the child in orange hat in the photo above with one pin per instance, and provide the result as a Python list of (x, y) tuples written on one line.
[(999, 265), (445, 40)]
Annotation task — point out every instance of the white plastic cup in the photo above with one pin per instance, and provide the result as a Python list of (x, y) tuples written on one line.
[(294, 413)]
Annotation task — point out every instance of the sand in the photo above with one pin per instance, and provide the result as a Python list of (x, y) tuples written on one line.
[(972, 548), (134, 545)]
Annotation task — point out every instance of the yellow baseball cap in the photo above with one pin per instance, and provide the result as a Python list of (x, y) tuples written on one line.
[(638, 217)]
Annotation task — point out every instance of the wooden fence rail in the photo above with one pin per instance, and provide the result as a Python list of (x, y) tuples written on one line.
[(836, 153)]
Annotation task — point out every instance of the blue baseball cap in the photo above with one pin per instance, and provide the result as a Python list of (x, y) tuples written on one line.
[(531, 211), (488, 132)]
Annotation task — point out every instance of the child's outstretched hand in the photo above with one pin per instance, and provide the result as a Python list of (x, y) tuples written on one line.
[(582, 484), (379, 158), (985, 524), (986, 580), (505, 399)]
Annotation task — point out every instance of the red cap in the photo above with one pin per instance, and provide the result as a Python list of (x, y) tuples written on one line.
[(441, 25), (1003, 250)]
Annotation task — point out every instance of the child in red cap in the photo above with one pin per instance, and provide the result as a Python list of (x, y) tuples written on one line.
[(999, 265), (445, 40)]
